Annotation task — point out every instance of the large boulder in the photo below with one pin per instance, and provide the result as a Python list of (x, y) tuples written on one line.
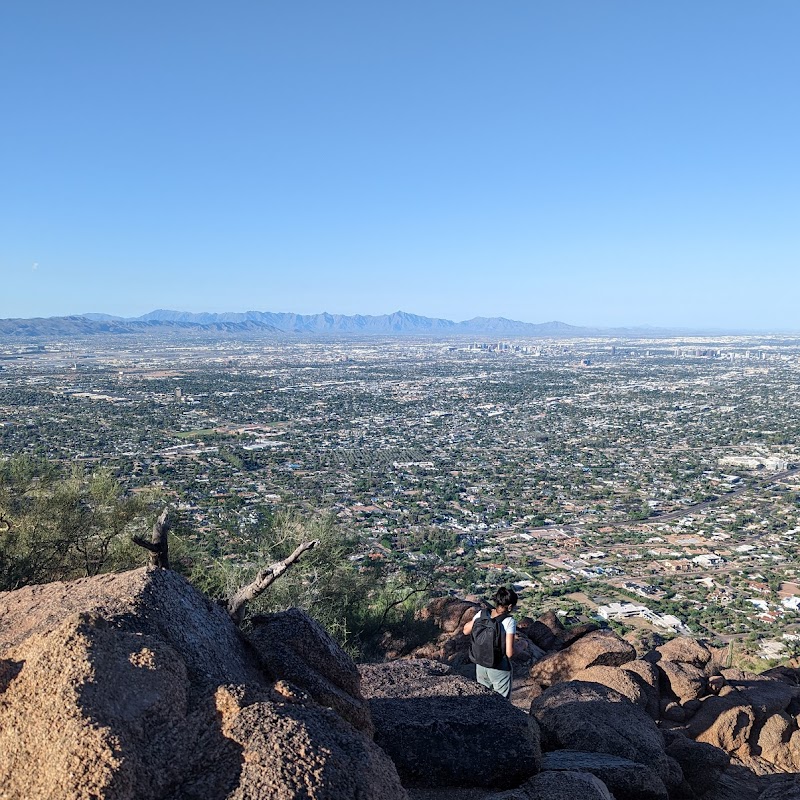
[(545, 631), (558, 785), (449, 614), (441, 729), (788, 675), (626, 683), (570, 635), (151, 693), (594, 718), (766, 695), (647, 676), (294, 647), (682, 650), (725, 722), (524, 691), (627, 780), (154, 602), (686, 681), (702, 764), (595, 649), (526, 653), (781, 787), (779, 742), (291, 750)]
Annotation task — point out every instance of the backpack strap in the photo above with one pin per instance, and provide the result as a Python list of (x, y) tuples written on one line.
[(498, 621), (500, 617)]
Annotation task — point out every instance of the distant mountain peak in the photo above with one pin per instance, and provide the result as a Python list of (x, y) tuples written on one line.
[(396, 323)]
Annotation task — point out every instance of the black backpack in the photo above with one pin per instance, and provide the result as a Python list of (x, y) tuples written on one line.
[(487, 645)]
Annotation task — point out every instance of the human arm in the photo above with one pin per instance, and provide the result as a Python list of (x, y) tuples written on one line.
[(510, 629), (467, 630)]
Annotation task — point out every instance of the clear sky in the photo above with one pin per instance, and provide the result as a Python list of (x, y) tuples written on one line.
[(602, 162)]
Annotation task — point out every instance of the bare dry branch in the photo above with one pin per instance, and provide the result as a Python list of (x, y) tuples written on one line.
[(158, 546), (402, 600), (264, 579)]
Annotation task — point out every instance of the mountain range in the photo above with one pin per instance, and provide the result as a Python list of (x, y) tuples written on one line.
[(272, 323)]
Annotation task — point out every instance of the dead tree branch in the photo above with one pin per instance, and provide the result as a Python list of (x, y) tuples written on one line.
[(399, 602), (158, 545), (264, 579)]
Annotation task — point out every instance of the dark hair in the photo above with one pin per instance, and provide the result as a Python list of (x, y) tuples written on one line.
[(505, 597)]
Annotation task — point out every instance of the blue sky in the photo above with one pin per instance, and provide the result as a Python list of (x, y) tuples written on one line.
[(600, 162)]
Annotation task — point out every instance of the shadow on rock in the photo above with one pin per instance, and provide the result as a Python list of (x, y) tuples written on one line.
[(441, 729)]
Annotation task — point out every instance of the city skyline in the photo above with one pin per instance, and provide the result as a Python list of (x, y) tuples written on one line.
[(611, 165)]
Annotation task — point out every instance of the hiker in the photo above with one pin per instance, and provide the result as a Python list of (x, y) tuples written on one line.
[(492, 642)]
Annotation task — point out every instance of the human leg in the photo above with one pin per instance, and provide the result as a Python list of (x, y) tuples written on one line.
[(482, 675), (499, 680)]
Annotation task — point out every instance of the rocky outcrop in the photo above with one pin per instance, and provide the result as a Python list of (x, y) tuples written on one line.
[(136, 686), (595, 649), (682, 650), (570, 635), (593, 718), (685, 681), (292, 646), (449, 614), (545, 631), (751, 718), (293, 750), (441, 729), (702, 765), (625, 683), (681, 684), (626, 780), (779, 742), (765, 695), (558, 785), (154, 603), (647, 676)]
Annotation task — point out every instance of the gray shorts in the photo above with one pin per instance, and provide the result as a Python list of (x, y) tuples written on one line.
[(497, 679)]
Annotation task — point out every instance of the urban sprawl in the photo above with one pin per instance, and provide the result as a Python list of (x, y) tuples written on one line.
[(652, 483)]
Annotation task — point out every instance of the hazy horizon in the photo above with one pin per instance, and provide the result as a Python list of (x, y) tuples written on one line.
[(606, 165), (635, 328)]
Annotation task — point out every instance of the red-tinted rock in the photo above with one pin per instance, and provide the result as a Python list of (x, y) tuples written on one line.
[(685, 681), (294, 647), (594, 718), (599, 648)]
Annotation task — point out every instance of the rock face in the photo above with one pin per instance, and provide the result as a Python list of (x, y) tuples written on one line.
[(544, 631), (627, 780), (702, 764), (558, 785), (617, 679), (595, 649), (686, 682), (647, 676), (683, 650), (441, 729), (160, 604), (291, 750), (449, 614), (292, 646), (593, 718), (136, 686)]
